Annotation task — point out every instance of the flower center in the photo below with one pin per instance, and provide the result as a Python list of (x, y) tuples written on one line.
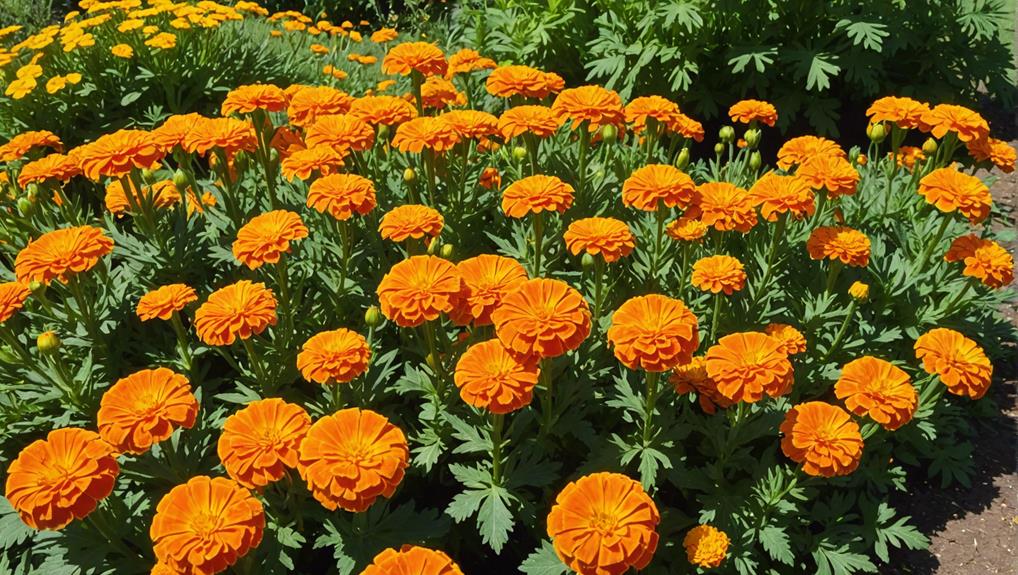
[(604, 523), (205, 525)]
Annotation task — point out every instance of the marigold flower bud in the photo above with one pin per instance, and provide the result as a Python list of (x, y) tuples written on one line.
[(373, 316), (752, 137), (433, 246), (240, 161), (430, 360), (755, 160), (519, 153), (683, 159), (180, 180), (587, 261), (448, 250), (930, 147), (609, 134), (876, 132), (719, 148), (859, 291), (37, 287), (32, 192), (26, 207), (409, 175), (727, 134), (148, 175), (48, 342), (6, 356), (383, 132), (274, 156)]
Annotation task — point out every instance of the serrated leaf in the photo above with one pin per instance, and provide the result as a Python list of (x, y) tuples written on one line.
[(776, 543), (543, 561)]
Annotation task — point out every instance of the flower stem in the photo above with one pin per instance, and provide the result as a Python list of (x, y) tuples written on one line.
[(255, 361), (182, 343), (650, 398), (538, 242), (920, 264), (547, 399), (841, 331), (581, 179), (832, 275), (497, 421), (714, 317), (436, 361), (779, 232)]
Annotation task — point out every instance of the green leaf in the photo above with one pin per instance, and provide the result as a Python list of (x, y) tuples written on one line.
[(543, 561), (775, 541), (494, 518), (870, 34)]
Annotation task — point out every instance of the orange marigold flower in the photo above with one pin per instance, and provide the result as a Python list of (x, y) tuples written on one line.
[(604, 524), (240, 309), (471, 124), (424, 132), (724, 206), (490, 179), (838, 243), (144, 408), (661, 110), (286, 141), (746, 366), (607, 237), (412, 560), (538, 120), (383, 35), (422, 57), (56, 167), (797, 151), (342, 195), (491, 377), (340, 132), (908, 156), (163, 302), (487, 279), (466, 60), (303, 164), (792, 340), (419, 289), (509, 81), (653, 333), (536, 194), (309, 102), (410, 221), (997, 152), (336, 356), (594, 105), (61, 478), (246, 99), (965, 123), (162, 194), (352, 457), (985, 260), (906, 113), (261, 441), (542, 317), (174, 129), (116, 154), (718, 274), (19, 146), (206, 525), (706, 546), (950, 190), (267, 236), (227, 134), (960, 362), (61, 253), (777, 195), (833, 173), (383, 110), (687, 127), (654, 185), (692, 378), (874, 387), (823, 438), (12, 299), (686, 229), (749, 111), (437, 93)]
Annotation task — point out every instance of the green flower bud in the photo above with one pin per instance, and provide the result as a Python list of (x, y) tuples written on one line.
[(682, 161), (719, 148), (240, 160), (274, 155), (383, 132), (32, 192), (409, 175), (876, 132), (587, 261), (37, 287), (448, 250), (727, 134), (26, 207), (148, 175), (8, 357), (180, 180), (609, 134), (599, 175), (430, 360), (48, 342), (755, 160), (433, 246), (519, 153), (752, 137), (930, 146), (373, 316)]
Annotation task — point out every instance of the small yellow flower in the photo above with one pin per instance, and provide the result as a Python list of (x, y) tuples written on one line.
[(275, 33), (163, 40), (356, 36), (122, 51), (319, 49), (128, 25), (180, 23), (55, 84), (73, 78), (7, 31), (149, 30), (859, 291), (29, 71), (706, 546), (21, 87)]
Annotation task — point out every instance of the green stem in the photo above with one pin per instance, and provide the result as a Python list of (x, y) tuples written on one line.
[(832, 275), (582, 164), (182, 343), (841, 331), (436, 360), (599, 266), (779, 232), (661, 215), (547, 399), (538, 242), (714, 317), (650, 398), (497, 421), (255, 361), (920, 264)]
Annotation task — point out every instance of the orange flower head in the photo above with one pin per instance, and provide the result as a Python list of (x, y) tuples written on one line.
[(985, 260), (246, 99), (662, 110), (823, 438), (351, 458), (997, 152), (950, 190), (906, 113), (536, 194), (604, 524), (61, 253), (874, 387), (337, 356), (491, 377), (260, 442), (718, 274), (687, 127), (543, 317), (490, 179), (833, 173), (383, 35), (420, 289), (144, 408), (342, 195), (850, 247), (466, 60), (410, 221), (692, 378), (746, 366), (686, 230), (792, 340), (963, 122), (163, 302), (797, 151), (960, 362), (422, 57), (266, 237), (653, 333), (61, 478), (538, 120), (606, 237), (908, 156), (487, 279), (383, 110), (57, 167), (206, 525), (594, 105), (412, 560), (438, 93), (12, 299), (341, 132), (706, 546), (303, 164), (749, 111), (241, 309), (777, 195), (115, 155), (163, 194), (309, 102), (227, 134), (425, 132), (724, 206), (509, 81), (654, 185), (471, 124), (19, 146), (174, 129)]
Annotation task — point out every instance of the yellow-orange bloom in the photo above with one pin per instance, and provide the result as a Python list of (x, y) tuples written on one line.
[(19, 146), (267, 236), (950, 190), (746, 366), (383, 35), (997, 152), (718, 274), (410, 221), (662, 110), (797, 151), (823, 438), (412, 560), (471, 124), (336, 356), (467, 60), (419, 289), (422, 133), (144, 408), (246, 99), (61, 478), (383, 110), (777, 195), (838, 243), (227, 134), (241, 309), (307, 103), (437, 93), (206, 525), (653, 333), (543, 317), (535, 194), (163, 302), (56, 167), (686, 229), (963, 122), (874, 387), (490, 377), (342, 195), (115, 155), (985, 260), (538, 120), (593, 105), (706, 546), (260, 442), (351, 458), (509, 81), (832, 173), (907, 156), (724, 206), (606, 237), (687, 127), (422, 57), (174, 129), (487, 279), (904, 112), (692, 378), (604, 524), (749, 111), (960, 362), (490, 179), (792, 340), (61, 253), (340, 132), (305, 163), (654, 185), (162, 194), (12, 299)]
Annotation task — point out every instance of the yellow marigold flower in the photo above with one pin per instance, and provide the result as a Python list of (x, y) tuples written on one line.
[(163, 40), (950, 190), (791, 339), (706, 546), (859, 291)]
